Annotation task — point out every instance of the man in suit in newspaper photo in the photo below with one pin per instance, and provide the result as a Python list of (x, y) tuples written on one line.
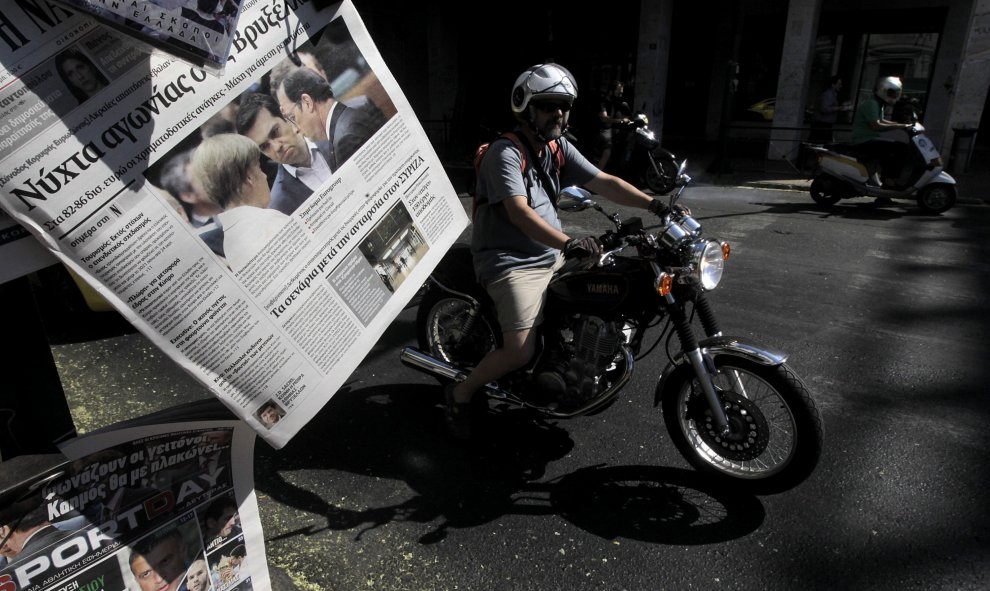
[(303, 165), (307, 100), (23, 535)]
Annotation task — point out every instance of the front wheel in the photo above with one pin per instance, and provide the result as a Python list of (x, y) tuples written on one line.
[(661, 179), (937, 198), (775, 437)]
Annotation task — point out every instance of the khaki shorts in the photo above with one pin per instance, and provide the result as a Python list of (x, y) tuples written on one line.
[(519, 296)]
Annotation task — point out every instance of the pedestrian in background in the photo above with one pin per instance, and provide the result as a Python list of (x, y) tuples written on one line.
[(827, 110)]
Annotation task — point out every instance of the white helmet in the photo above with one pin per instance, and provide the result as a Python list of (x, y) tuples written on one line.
[(543, 81), (889, 89)]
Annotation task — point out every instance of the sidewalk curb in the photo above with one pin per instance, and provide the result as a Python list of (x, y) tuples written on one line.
[(803, 185)]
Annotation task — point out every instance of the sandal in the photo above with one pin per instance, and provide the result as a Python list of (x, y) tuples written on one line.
[(457, 415)]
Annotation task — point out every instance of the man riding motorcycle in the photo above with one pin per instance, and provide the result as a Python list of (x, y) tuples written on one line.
[(517, 240)]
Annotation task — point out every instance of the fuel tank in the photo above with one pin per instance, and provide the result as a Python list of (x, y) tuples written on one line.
[(622, 287)]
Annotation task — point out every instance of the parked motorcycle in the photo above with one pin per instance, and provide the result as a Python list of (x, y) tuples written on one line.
[(732, 408), (843, 174), (638, 158)]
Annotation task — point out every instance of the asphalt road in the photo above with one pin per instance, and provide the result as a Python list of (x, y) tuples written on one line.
[(883, 313)]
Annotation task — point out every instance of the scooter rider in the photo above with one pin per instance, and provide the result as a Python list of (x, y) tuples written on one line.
[(870, 131), (517, 241)]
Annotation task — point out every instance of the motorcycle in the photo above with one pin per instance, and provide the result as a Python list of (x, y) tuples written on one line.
[(842, 174), (638, 158), (732, 408)]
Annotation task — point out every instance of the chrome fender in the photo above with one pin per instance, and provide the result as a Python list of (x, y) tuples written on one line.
[(710, 349)]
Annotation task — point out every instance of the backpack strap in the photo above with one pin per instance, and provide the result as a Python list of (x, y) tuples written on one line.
[(479, 155), (557, 153), (557, 161), (525, 151)]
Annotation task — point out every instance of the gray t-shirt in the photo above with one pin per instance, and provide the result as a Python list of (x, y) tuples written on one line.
[(497, 244)]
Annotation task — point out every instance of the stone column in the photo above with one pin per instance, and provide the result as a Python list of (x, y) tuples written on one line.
[(969, 88), (651, 61), (792, 83)]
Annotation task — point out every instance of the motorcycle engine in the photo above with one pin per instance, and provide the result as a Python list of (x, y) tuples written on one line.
[(572, 376)]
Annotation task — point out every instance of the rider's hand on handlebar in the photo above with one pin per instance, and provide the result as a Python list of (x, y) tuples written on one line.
[(658, 207), (582, 247)]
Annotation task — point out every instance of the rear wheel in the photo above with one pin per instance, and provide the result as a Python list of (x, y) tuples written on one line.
[(825, 190), (661, 183), (452, 328), (775, 436), (934, 199)]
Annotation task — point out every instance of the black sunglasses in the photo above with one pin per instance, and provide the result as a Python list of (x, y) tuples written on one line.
[(552, 106)]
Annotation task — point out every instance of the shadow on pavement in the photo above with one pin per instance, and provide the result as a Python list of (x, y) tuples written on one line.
[(396, 432), (861, 209)]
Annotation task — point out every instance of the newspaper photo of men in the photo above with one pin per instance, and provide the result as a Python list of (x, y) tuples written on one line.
[(340, 105)]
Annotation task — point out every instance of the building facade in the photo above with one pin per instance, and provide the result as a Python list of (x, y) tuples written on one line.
[(747, 70)]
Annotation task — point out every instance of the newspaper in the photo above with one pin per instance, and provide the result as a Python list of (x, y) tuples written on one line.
[(200, 31), (275, 325), (165, 503)]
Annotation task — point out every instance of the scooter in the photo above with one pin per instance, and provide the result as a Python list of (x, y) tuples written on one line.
[(843, 174)]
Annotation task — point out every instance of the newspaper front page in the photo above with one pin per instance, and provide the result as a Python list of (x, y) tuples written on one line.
[(274, 296), (167, 505)]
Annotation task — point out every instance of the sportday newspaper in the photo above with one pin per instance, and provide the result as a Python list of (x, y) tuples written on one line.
[(165, 502), (275, 328)]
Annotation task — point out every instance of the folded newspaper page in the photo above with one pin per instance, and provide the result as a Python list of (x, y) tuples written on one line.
[(164, 504), (263, 229), (199, 31)]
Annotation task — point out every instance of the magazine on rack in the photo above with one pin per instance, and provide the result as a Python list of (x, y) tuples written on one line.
[(198, 31), (263, 230), (164, 501)]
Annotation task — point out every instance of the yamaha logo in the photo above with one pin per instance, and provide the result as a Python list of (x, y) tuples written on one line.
[(603, 288)]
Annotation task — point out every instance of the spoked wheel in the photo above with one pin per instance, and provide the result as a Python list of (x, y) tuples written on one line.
[(775, 430), (934, 199), (451, 328), (825, 190), (661, 182)]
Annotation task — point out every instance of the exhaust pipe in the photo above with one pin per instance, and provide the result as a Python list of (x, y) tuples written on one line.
[(420, 361), (416, 359)]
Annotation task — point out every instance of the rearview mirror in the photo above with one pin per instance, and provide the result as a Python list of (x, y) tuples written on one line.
[(575, 199)]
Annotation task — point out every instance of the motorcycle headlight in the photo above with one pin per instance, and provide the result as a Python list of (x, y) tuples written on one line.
[(709, 261)]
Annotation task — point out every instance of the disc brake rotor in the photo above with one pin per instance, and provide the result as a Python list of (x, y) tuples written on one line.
[(748, 434)]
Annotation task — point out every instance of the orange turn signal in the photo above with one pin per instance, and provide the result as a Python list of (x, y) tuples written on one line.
[(664, 283), (726, 250)]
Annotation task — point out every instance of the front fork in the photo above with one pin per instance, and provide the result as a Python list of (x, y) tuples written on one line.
[(704, 366), (712, 329)]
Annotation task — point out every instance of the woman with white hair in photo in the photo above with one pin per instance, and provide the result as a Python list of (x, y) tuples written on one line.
[(228, 169)]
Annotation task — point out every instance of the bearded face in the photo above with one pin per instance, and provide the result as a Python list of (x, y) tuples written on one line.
[(550, 118)]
